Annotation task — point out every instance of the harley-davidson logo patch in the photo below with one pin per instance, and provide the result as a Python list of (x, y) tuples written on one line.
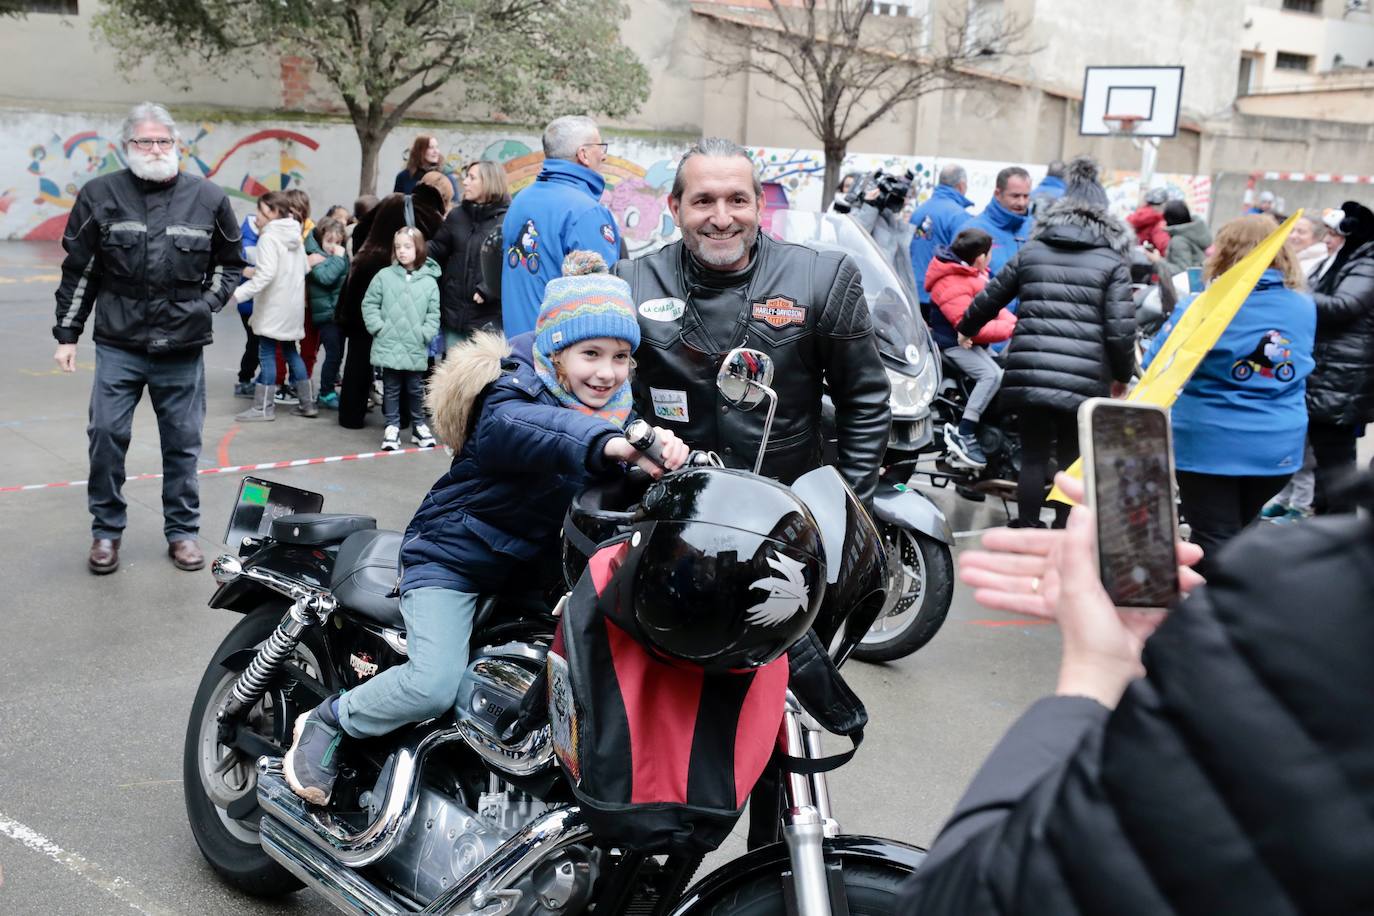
[(779, 312)]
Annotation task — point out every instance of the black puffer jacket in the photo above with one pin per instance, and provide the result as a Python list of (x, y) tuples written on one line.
[(1075, 327), (1341, 389), (1236, 777), (458, 251)]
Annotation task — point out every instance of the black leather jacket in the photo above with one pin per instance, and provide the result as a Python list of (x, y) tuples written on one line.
[(806, 310), (153, 260)]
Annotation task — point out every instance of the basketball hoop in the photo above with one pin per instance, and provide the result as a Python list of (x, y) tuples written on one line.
[(1123, 124)]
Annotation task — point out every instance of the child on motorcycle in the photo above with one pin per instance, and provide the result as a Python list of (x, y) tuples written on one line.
[(528, 422), (956, 275)]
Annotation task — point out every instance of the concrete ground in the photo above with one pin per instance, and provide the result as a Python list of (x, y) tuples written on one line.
[(97, 674)]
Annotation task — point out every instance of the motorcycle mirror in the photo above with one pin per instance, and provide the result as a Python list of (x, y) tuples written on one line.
[(745, 377)]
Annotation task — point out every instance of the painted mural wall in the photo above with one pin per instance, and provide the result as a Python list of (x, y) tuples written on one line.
[(46, 158)]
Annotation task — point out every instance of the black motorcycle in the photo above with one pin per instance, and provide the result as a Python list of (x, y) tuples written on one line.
[(919, 540), (460, 814)]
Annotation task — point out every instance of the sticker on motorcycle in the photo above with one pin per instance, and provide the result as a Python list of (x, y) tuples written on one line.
[(669, 309), (669, 404), (779, 312), (362, 664), (787, 596)]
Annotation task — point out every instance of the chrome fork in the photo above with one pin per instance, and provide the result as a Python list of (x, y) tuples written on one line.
[(807, 818)]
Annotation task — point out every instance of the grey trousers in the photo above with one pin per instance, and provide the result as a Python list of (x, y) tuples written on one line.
[(1299, 492), (176, 387), (977, 363)]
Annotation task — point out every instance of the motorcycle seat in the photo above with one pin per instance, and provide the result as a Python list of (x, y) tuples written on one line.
[(365, 576), (319, 527)]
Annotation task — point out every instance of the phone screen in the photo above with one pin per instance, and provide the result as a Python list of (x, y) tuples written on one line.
[(1134, 496)]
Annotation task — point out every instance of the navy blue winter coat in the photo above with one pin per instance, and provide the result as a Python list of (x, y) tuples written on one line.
[(504, 497)]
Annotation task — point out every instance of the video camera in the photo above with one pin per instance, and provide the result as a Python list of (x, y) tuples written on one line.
[(892, 191)]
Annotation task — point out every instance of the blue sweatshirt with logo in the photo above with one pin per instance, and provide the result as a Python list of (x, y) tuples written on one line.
[(1009, 232), (1244, 411), (560, 212), (937, 222)]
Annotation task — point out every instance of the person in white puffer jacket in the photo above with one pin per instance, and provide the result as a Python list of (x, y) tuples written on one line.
[(277, 289)]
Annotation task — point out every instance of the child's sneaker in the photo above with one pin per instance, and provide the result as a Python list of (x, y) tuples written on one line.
[(286, 395), (965, 448), (391, 439), (1292, 514), (1274, 510), (243, 390), (329, 400), (312, 763), (421, 436)]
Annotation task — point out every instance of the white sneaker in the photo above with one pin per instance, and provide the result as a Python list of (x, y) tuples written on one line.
[(391, 439), (421, 436)]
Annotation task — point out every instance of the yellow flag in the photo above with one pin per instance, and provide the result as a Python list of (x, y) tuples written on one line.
[(1198, 331)]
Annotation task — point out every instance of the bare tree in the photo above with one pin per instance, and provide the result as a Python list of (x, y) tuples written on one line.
[(842, 68)]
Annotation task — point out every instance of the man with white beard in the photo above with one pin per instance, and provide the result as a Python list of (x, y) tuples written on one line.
[(726, 285), (155, 253)]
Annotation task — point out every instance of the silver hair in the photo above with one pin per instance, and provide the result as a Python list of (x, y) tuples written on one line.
[(146, 111), (565, 136), (953, 175), (716, 147)]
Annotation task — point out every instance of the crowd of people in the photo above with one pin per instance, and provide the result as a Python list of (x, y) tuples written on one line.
[(533, 383)]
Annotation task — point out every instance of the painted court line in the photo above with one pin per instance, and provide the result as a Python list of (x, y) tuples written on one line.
[(236, 468), (82, 867)]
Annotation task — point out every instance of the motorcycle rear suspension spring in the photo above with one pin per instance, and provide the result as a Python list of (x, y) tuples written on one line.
[(253, 682)]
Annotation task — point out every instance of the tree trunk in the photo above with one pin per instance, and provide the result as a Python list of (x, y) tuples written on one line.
[(834, 162), (370, 141)]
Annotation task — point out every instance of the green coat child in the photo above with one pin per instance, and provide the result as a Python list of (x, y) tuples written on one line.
[(401, 312)]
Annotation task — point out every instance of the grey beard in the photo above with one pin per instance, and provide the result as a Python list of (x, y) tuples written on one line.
[(746, 242), (150, 169)]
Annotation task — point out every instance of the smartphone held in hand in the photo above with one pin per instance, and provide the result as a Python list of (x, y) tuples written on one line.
[(1129, 477)]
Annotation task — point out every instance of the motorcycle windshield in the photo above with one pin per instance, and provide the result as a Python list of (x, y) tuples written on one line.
[(897, 322)]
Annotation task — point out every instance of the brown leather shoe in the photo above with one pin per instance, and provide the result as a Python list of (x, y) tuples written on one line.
[(104, 558), (186, 555)]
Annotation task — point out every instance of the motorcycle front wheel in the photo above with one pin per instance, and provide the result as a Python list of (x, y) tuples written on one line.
[(926, 590), (216, 777), (871, 888)]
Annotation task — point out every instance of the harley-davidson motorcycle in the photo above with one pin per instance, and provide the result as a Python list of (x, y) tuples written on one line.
[(919, 539), (462, 814)]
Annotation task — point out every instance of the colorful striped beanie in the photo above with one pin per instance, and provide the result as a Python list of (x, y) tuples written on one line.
[(586, 302)]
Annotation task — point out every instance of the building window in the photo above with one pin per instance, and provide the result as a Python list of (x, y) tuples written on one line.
[(1286, 61), (906, 8), (57, 7), (1302, 6)]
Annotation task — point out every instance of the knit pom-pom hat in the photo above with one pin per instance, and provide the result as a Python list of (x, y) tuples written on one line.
[(1082, 182), (585, 303)]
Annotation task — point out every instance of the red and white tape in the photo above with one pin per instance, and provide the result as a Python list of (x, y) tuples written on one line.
[(235, 468)]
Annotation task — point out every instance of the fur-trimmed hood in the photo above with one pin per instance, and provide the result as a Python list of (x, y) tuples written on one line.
[(459, 380), (1072, 223)]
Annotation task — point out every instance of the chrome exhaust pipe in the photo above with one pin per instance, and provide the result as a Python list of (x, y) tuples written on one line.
[(336, 838), (343, 888)]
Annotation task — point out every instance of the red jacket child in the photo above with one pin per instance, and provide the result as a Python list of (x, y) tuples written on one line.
[(952, 285), (1148, 224)]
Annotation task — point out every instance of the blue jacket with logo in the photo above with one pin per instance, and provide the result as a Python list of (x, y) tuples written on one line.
[(937, 222), (1009, 232), (1244, 411), (560, 212), (249, 230)]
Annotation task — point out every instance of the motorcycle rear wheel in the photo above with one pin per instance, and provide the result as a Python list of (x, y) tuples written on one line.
[(871, 889), (927, 583), (214, 776)]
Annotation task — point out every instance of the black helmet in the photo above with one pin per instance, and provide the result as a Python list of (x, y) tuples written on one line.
[(722, 569)]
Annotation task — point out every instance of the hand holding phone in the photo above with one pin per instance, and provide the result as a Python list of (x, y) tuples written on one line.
[(1128, 472)]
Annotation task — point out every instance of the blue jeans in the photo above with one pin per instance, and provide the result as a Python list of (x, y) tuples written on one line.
[(332, 339), (438, 629), (176, 386), (267, 361)]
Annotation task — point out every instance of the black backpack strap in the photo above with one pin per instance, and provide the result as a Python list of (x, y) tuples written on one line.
[(817, 685)]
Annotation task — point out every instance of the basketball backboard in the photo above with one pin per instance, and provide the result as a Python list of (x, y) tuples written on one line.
[(1149, 94)]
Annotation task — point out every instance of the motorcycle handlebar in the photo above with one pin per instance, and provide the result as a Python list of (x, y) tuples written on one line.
[(644, 439)]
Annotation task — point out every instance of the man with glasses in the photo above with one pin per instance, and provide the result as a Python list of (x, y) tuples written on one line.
[(726, 285), (560, 212), (155, 253)]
